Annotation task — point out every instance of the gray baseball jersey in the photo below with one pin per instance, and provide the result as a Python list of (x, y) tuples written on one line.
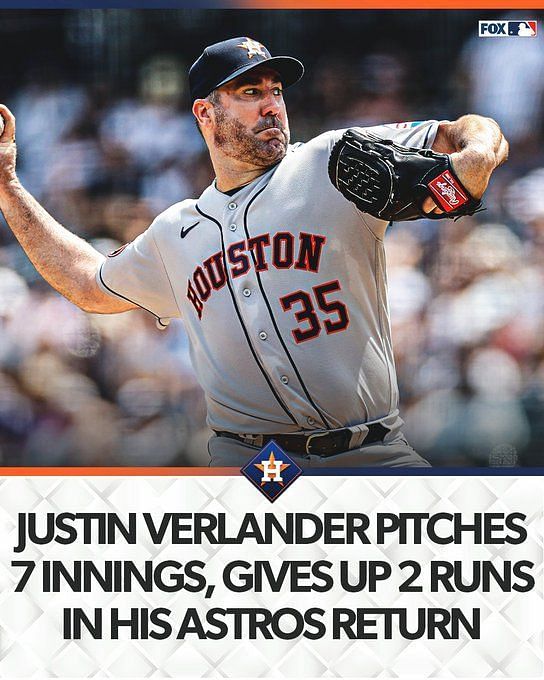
[(282, 290)]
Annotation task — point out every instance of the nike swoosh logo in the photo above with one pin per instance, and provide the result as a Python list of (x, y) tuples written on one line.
[(185, 230)]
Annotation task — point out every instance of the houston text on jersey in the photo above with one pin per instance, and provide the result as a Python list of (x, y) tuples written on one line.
[(281, 250)]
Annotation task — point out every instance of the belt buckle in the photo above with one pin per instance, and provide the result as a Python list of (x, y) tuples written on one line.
[(312, 436), (253, 439)]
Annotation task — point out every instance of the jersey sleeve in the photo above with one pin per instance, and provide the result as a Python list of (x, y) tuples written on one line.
[(136, 272), (419, 134)]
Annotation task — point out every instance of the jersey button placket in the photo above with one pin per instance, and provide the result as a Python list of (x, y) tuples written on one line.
[(252, 307), (251, 290), (245, 287)]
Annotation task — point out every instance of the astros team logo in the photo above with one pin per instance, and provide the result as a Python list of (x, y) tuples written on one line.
[(271, 471), (253, 47)]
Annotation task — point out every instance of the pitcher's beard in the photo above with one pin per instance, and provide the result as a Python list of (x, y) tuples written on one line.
[(236, 141)]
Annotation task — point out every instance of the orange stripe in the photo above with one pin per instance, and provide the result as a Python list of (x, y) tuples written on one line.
[(117, 471), (389, 4)]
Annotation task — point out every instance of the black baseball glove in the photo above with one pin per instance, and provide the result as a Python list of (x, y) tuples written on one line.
[(390, 181)]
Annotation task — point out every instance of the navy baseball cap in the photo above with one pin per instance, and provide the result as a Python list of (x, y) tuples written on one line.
[(226, 60)]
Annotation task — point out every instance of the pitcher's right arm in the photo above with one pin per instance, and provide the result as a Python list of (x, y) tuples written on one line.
[(66, 261)]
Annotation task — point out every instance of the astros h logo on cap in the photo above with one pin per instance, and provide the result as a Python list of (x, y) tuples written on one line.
[(253, 47)]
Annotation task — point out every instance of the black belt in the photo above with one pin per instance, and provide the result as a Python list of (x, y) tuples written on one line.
[(322, 443)]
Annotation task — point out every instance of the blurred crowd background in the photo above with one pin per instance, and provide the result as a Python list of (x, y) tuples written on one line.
[(106, 141)]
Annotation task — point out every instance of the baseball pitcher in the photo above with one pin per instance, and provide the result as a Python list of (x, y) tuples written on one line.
[(278, 268)]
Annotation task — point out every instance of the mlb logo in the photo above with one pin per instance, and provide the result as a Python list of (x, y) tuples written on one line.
[(523, 28), (271, 471)]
